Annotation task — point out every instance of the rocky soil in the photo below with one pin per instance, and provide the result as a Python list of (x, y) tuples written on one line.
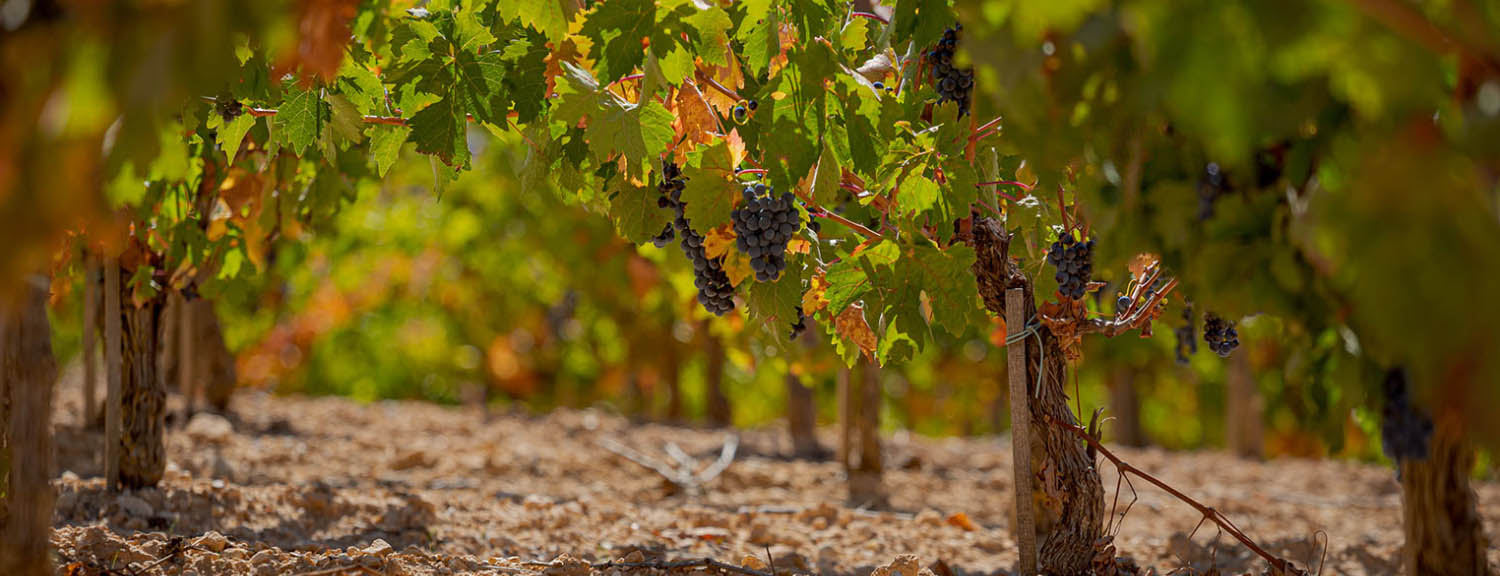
[(319, 486)]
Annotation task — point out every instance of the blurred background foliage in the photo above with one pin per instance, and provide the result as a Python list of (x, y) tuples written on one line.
[(1350, 220)]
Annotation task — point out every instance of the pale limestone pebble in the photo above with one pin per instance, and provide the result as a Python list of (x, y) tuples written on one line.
[(566, 565), (212, 541), (210, 428), (929, 517), (903, 565), (379, 548)]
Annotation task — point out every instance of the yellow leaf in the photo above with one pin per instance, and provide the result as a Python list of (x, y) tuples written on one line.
[(814, 299), (736, 147), (737, 267), (718, 241), (799, 246), (851, 325)]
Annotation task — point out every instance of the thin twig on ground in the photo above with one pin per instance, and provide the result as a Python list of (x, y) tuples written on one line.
[(706, 563), (686, 476)]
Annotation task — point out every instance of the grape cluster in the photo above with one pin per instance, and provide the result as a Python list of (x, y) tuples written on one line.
[(1187, 341), (953, 85), (1074, 261), (799, 325), (1220, 335), (1404, 430), (762, 226), (715, 292)]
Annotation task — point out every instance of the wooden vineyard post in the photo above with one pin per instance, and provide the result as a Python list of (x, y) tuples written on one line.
[(112, 416), (90, 344), (1020, 432)]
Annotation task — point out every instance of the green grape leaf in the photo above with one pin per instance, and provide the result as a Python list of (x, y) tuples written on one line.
[(300, 118), (636, 214), (761, 40), (385, 145), (826, 177), (231, 134), (617, 28), (439, 130), (775, 303), (638, 132), (713, 25), (546, 16), (710, 187), (918, 194)]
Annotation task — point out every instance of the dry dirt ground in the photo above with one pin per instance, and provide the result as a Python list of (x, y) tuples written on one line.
[(322, 486)]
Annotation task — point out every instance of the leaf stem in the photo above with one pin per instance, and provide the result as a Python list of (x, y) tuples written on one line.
[(871, 16)]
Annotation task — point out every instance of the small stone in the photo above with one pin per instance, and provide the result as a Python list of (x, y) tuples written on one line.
[(753, 562), (566, 565), (213, 541), (634, 557), (379, 548), (263, 558), (210, 428)]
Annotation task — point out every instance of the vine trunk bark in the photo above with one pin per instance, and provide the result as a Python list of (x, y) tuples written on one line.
[(802, 411), (207, 358), (1444, 533), (1126, 406), (719, 413), (143, 394), (866, 488), (1067, 495), (1245, 434), (27, 373)]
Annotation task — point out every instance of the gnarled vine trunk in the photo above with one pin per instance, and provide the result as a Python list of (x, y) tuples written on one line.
[(1067, 494), (211, 365), (143, 394), (27, 373), (1126, 406), (719, 413), (802, 412), (866, 488), (1444, 533)]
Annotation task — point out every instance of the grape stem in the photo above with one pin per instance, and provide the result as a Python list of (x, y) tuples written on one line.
[(858, 228), (761, 171), (985, 130), (719, 87), (386, 120)]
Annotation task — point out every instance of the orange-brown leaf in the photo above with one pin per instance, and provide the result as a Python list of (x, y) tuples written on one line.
[(851, 325), (322, 33), (696, 122), (962, 520)]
